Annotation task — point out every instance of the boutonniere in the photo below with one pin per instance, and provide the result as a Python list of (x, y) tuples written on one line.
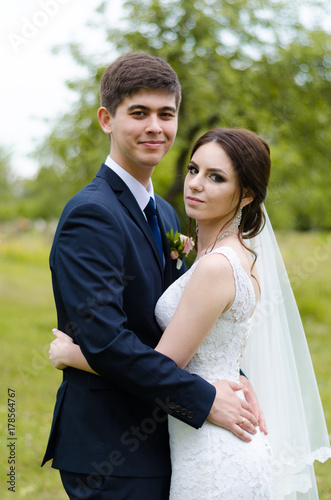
[(180, 246)]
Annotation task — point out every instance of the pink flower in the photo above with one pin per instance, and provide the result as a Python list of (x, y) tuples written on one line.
[(174, 254), (179, 246), (188, 243)]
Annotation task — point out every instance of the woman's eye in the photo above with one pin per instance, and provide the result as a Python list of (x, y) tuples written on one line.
[(192, 170), (217, 178)]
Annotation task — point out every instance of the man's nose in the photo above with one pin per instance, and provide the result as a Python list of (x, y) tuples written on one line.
[(153, 125)]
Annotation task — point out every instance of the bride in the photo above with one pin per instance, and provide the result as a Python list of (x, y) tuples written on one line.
[(233, 308)]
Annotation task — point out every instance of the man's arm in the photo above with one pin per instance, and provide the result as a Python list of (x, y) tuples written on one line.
[(90, 273)]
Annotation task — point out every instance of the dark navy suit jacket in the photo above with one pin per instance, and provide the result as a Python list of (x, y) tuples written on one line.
[(107, 277)]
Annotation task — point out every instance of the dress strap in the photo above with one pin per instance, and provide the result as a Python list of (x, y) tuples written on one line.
[(244, 302)]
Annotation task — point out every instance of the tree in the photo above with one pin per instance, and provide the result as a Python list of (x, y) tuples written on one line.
[(241, 63), (300, 132), (6, 185)]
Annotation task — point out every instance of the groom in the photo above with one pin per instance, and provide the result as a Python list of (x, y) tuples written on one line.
[(109, 434)]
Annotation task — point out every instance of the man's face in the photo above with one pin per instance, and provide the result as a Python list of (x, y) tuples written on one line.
[(142, 131)]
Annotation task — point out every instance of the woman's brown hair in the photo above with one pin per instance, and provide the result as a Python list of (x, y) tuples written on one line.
[(250, 157)]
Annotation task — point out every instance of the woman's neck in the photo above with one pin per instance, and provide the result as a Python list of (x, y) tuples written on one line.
[(208, 238)]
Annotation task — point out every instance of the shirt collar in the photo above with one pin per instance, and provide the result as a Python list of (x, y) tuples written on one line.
[(141, 194)]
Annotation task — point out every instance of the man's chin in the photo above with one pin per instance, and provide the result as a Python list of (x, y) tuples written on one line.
[(151, 161)]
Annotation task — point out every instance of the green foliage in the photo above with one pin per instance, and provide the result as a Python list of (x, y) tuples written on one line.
[(245, 64), (71, 155), (241, 63), (27, 315), (7, 190), (300, 134), (175, 243), (4, 171)]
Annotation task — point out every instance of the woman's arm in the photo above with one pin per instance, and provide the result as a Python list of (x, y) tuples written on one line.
[(63, 353), (209, 292)]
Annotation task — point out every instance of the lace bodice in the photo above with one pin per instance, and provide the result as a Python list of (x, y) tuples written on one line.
[(219, 354), (211, 463)]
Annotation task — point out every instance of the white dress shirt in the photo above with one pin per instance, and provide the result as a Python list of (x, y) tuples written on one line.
[(141, 194)]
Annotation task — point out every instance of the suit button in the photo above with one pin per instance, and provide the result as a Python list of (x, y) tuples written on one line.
[(190, 414), (178, 408), (184, 411), (172, 405)]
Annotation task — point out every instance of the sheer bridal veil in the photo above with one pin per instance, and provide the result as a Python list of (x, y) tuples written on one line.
[(278, 363)]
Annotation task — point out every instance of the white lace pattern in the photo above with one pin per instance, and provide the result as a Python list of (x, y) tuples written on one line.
[(211, 462)]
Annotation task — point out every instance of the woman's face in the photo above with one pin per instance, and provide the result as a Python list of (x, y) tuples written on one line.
[(211, 188)]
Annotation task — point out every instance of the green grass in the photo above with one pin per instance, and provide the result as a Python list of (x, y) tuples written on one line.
[(307, 258), (27, 316)]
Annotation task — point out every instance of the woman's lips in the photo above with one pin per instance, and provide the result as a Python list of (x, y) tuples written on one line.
[(191, 200)]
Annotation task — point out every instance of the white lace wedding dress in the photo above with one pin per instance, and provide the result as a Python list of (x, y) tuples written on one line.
[(211, 462)]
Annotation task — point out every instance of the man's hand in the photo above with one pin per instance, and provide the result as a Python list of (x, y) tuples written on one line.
[(231, 412), (252, 399)]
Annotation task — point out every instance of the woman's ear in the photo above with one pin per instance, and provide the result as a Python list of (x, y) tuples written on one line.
[(104, 118), (247, 198)]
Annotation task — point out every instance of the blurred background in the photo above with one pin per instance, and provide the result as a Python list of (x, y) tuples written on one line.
[(260, 64)]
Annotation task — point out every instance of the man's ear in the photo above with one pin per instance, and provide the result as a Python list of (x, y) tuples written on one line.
[(104, 118), (247, 198)]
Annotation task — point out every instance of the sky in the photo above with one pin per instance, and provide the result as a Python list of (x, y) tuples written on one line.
[(32, 78)]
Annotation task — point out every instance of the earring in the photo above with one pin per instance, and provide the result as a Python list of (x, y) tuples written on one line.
[(234, 226)]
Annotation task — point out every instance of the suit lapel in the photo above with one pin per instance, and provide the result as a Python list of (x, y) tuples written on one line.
[(129, 202), (126, 198), (170, 271), (168, 265)]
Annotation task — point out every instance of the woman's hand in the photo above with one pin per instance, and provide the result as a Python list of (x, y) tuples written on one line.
[(58, 349), (63, 353), (252, 399)]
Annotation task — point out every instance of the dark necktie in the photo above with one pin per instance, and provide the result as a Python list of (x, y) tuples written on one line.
[(150, 213)]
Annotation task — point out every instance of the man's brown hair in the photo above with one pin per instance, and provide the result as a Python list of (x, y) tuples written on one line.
[(133, 72)]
